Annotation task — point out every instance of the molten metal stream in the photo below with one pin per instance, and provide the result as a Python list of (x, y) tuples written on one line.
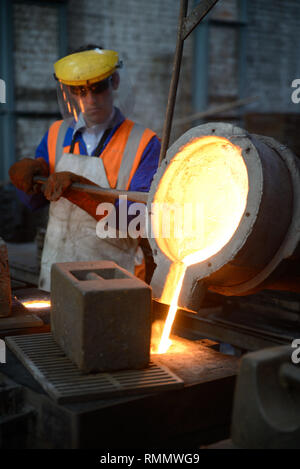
[(165, 342), (208, 180)]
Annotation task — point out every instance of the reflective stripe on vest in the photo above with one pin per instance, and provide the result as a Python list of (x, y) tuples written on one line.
[(121, 156), (52, 139), (56, 137)]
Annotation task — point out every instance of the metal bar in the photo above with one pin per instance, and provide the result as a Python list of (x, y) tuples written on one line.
[(194, 18), (233, 334), (174, 83), (133, 196), (215, 110)]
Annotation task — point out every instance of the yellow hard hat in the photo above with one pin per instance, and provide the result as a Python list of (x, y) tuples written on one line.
[(83, 68)]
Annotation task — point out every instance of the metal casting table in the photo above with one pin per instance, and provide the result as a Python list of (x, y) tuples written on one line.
[(198, 413)]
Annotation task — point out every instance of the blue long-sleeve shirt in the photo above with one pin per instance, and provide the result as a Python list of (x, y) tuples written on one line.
[(141, 180)]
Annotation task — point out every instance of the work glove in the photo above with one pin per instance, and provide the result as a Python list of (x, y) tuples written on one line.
[(59, 183), (22, 172)]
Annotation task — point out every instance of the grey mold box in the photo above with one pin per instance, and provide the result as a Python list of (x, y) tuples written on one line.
[(101, 315)]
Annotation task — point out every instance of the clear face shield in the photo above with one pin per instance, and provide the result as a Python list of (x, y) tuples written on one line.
[(123, 95), (95, 101)]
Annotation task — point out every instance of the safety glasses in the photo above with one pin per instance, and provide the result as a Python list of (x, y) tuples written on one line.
[(95, 88)]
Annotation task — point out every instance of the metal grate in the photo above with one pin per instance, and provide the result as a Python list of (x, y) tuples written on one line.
[(64, 382)]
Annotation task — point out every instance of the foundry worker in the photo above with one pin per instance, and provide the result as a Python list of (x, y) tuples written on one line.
[(93, 144)]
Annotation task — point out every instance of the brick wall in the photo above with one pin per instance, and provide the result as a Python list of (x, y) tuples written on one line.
[(223, 53), (145, 33), (35, 50), (273, 53)]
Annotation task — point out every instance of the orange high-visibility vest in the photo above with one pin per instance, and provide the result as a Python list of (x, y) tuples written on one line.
[(128, 137), (128, 132)]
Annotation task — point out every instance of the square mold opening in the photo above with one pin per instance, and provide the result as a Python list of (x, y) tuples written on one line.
[(104, 274)]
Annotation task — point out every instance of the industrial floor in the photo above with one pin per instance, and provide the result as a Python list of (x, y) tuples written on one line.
[(194, 415), (197, 415)]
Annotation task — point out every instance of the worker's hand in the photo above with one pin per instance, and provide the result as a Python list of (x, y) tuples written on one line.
[(21, 174), (58, 184)]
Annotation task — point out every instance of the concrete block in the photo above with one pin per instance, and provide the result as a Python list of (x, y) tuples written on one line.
[(101, 315)]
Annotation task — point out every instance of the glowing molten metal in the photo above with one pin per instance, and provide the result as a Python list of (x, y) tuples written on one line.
[(200, 199), (36, 304)]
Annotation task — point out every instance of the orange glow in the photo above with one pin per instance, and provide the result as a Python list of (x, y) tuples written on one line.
[(165, 342), (36, 304), (177, 270), (177, 346), (156, 333), (209, 176), (199, 203), (81, 105), (75, 114)]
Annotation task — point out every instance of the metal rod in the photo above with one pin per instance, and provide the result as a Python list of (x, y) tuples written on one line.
[(215, 110), (133, 196), (197, 15), (185, 26), (174, 82)]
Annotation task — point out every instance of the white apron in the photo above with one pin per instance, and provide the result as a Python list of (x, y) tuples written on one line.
[(71, 232)]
